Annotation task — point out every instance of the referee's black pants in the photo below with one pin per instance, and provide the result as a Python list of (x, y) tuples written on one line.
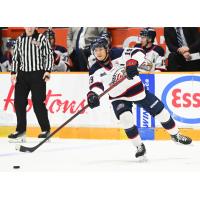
[(26, 82)]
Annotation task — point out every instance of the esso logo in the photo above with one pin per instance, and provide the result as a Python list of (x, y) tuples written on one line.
[(185, 99), (182, 98)]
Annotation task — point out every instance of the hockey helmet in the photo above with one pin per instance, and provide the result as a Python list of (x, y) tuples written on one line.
[(98, 43), (148, 32), (106, 35), (10, 43), (49, 34)]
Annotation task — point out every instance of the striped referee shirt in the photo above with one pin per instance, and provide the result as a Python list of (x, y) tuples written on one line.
[(32, 53)]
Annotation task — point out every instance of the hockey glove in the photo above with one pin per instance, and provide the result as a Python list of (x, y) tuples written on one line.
[(93, 99), (131, 68)]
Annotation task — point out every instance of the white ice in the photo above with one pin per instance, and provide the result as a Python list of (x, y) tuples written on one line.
[(99, 155)]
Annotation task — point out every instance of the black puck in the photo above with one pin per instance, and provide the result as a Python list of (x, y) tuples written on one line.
[(16, 167)]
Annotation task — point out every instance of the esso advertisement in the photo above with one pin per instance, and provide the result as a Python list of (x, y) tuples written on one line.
[(181, 96)]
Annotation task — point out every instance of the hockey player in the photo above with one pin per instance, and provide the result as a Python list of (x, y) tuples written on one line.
[(112, 50), (6, 59), (10, 44), (61, 58), (106, 71), (154, 60), (4, 64)]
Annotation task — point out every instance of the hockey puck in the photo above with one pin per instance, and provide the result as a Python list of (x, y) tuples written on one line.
[(17, 147), (16, 167)]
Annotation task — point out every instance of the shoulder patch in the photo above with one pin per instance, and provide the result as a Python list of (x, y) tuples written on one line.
[(138, 45), (61, 49), (137, 50), (159, 50), (115, 53)]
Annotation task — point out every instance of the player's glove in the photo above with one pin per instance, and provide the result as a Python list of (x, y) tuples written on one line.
[(93, 99), (131, 68)]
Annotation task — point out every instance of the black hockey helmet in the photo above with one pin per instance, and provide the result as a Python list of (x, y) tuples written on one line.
[(10, 43), (99, 42), (106, 35), (148, 32), (49, 34)]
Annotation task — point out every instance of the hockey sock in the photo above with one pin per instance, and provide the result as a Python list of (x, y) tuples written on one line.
[(131, 130), (136, 141), (167, 122)]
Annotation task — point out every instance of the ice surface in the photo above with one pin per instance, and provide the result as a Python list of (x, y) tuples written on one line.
[(99, 155)]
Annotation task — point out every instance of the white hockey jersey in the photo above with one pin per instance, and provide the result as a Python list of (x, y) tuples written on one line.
[(102, 76), (4, 64), (60, 59), (154, 60)]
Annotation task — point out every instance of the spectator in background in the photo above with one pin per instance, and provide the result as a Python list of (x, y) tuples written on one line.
[(61, 59), (154, 60), (6, 59), (1, 42), (4, 63), (78, 42), (10, 44), (184, 46)]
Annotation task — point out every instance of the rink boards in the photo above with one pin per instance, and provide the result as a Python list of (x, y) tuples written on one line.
[(66, 94)]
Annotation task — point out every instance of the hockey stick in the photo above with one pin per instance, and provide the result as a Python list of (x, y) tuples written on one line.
[(32, 149)]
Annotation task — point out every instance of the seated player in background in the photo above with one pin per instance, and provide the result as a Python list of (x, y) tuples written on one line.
[(4, 64), (6, 58), (61, 59), (107, 70), (154, 60), (10, 44)]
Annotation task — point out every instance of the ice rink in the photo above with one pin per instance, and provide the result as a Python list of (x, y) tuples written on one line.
[(99, 155), (100, 169)]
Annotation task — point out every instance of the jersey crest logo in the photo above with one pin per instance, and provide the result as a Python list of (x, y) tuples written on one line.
[(118, 75)]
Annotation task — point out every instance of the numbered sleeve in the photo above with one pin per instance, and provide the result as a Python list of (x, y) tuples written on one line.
[(95, 83)]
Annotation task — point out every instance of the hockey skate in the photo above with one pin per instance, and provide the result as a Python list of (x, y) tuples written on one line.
[(44, 134), (181, 139), (17, 137), (140, 154)]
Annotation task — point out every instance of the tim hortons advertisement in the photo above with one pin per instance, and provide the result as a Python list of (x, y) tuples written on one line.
[(66, 94)]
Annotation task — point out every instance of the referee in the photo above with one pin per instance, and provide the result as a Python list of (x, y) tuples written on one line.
[(32, 64)]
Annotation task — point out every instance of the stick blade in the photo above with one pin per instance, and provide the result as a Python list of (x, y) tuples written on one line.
[(24, 149)]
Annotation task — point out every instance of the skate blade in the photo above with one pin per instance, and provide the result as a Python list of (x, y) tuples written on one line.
[(142, 159), (17, 140), (181, 144)]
